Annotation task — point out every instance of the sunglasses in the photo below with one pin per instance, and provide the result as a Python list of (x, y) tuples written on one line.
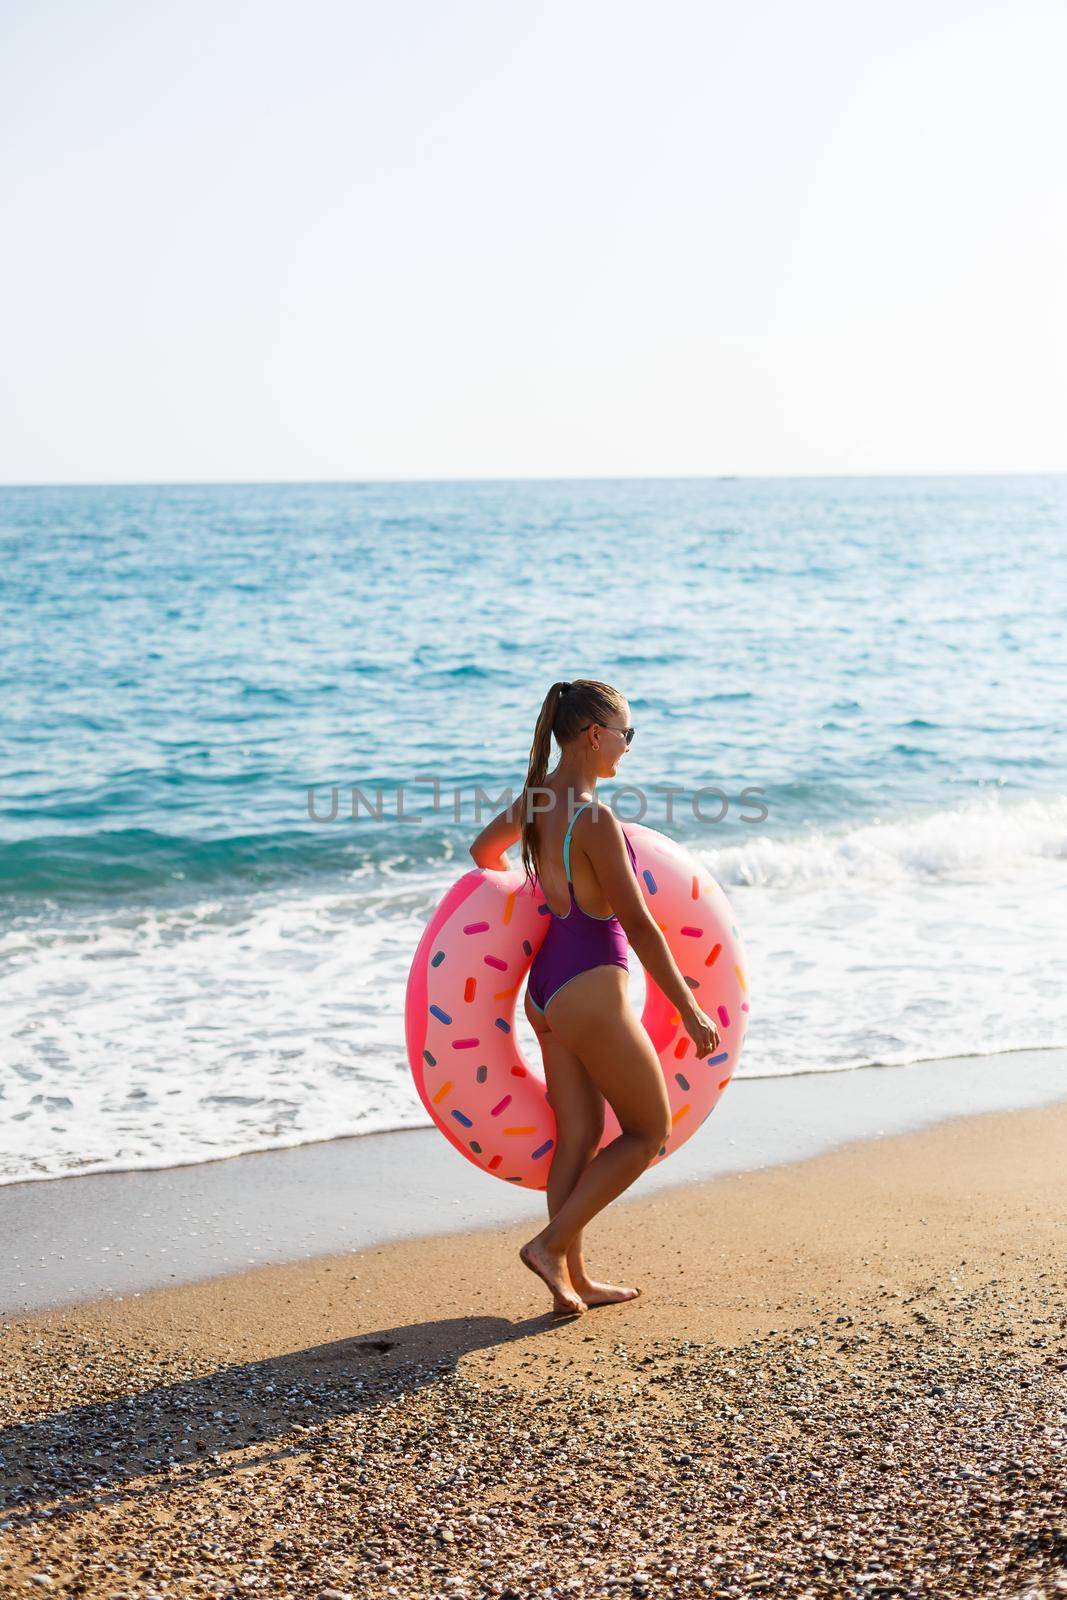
[(627, 733)]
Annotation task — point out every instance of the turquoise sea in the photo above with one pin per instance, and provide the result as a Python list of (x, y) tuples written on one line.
[(192, 964)]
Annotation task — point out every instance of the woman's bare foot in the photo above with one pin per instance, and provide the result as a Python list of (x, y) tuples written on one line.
[(603, 1294), (552, 1269)]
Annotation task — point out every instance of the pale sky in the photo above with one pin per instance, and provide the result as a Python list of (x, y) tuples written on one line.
[(338, 239)]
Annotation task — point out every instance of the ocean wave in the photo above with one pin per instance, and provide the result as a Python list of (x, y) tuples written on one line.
[(140, 862), (991, 835)]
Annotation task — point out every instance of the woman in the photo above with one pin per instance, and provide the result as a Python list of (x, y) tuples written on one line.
[(577, 998)]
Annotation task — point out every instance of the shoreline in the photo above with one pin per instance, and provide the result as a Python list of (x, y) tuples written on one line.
[(844, 1375), (206, 1158), (115, 1234)]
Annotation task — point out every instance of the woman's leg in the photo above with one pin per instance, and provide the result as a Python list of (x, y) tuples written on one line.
[(592, 1017), (578, 1107)]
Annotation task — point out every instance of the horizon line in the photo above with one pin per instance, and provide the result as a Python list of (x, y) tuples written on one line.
[(650, 477)]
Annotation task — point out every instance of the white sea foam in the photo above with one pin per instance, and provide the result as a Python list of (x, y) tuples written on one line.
[(988, 835), (155, 1038)]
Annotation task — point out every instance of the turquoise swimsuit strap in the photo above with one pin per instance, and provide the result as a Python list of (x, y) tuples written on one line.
[(567, 839)]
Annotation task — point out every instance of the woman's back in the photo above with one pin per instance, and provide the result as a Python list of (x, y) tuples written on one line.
[(577, 940), (564, 869)]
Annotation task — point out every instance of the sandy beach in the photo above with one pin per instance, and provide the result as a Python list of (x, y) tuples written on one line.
[(844, 1376)]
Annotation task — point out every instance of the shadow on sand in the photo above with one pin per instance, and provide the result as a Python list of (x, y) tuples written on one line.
[(87, 1457)]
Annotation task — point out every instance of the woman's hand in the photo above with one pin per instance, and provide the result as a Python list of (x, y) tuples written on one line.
[(702, 1031)]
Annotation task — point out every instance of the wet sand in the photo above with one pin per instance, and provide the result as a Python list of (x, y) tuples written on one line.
[(119, 1233), (844, 1376)]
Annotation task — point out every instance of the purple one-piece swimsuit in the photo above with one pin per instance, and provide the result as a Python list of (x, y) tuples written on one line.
[(576, 942)]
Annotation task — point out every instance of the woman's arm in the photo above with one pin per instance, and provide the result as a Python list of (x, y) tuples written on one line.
[(605, 846), (504, 830)]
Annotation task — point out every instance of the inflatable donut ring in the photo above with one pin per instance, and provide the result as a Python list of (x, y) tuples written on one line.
[(478, 947)]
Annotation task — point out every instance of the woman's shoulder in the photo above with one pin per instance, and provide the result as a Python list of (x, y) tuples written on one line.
[(610, 828), (599, 817)]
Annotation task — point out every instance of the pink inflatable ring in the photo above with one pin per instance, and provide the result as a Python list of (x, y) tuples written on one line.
[(464, 984)]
